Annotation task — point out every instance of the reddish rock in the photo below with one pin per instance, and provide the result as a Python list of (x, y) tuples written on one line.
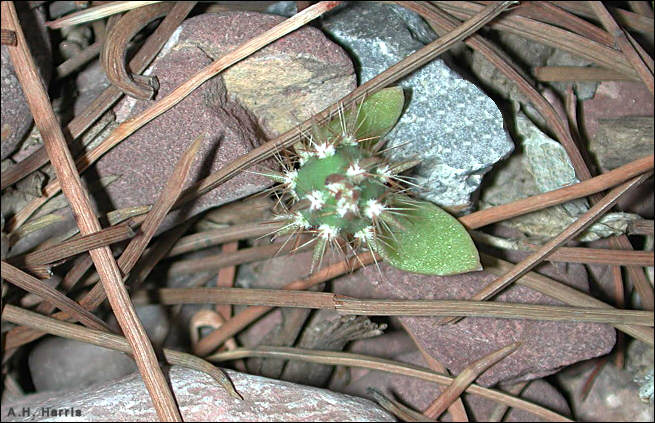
[(419, 394), (146, 158), (282, 84), (615, 99), (201, 398), (546, 346)]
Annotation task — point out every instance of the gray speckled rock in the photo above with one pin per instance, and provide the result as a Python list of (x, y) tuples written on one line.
[(542, 165), (200, 398), (546, 346), (59, 363), (16, 115), (450, 124)]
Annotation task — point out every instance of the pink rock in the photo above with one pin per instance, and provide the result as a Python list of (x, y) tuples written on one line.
[(200, 398), (221, 110), (546, 346), (614, 99), (146, 159), (419, 394)]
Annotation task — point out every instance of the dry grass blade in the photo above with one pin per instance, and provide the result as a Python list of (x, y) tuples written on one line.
[(8, 38), (465, 378), (239, 321), (178, 94), (558, 196), (578, 73), (97, 12), (161, 207), (392, 74), (404, 413), (208, 239), (384, 307), (61, 159), (108, 97), (563, 293), (546, 34), (222, 260), (76, 245), (641, 227), (79, 60), (622, 42), (374, 363), (624, 17), (583, 222), (30, 319), (56, 298), (115, 50)]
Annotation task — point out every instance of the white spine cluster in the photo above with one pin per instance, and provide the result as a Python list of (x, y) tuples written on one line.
[(366, 234), (346, 205), (373, 208), (325, 150), (328, 232), (384, 173), (355, 172), (290, 177), (316, 200), (300, 222)]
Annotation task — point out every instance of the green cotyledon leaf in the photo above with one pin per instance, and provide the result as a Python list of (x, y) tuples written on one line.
[(371, 120), (431, 242), (379, 113)]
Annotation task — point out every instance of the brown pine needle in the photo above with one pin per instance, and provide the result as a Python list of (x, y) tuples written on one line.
[(543, 33), (77, 245), (623, 43), (222, 260), (583, 222), (368, 362), (213, 237), (55, 327), (128, 127), (239, 321), (161, 207), (563, 293), (54, 297), (465, 378), (62, 161), (578, 73), (399, 410), (395, 307), (107, 98), (97, 12)]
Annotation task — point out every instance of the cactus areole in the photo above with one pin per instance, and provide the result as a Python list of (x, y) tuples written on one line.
[(342, 190)]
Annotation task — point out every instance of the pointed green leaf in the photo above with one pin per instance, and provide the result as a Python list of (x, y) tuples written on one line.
[(380, 112), (433, 242), (376, 116)]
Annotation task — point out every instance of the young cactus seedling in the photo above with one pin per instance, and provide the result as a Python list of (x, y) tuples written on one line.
[(345, 192)]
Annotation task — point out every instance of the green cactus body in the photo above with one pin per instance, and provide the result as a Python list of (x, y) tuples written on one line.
[(343, 191)]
